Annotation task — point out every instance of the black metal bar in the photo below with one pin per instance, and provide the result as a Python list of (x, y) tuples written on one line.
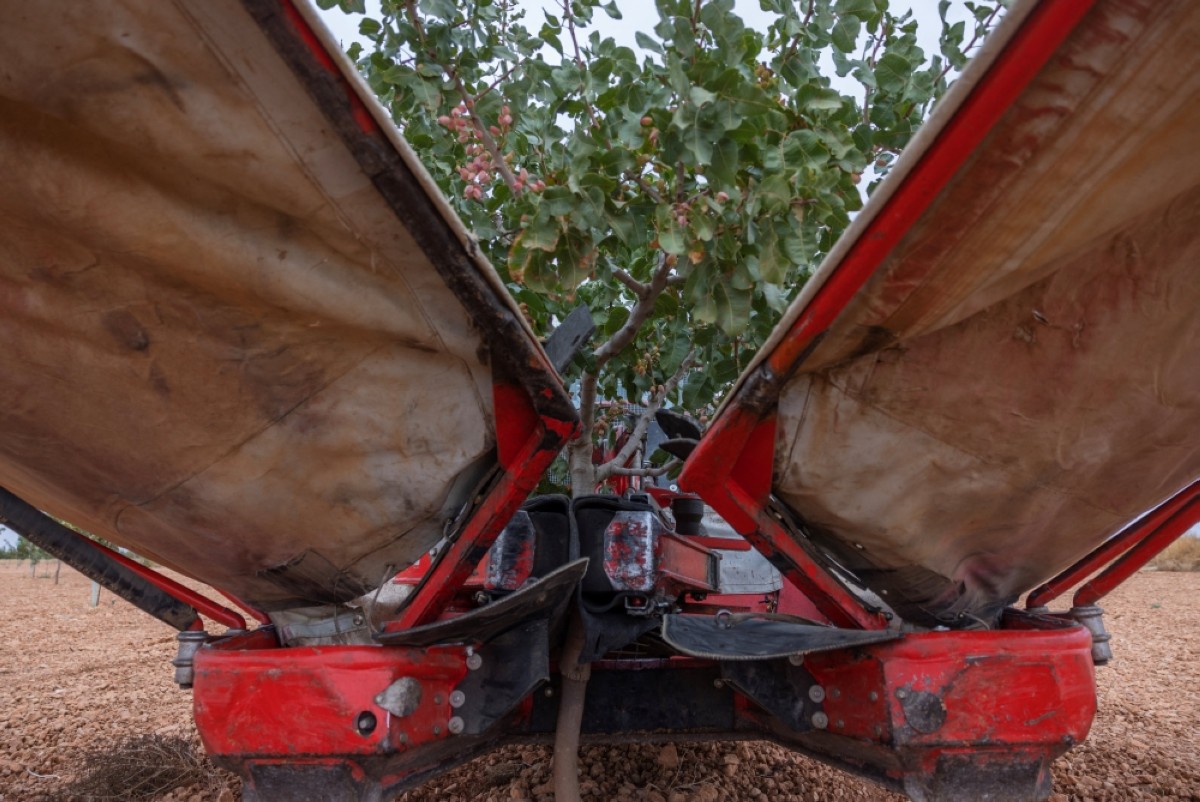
[(79, 553)]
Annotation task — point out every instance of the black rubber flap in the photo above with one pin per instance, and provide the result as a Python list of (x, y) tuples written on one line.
[(545, 598), (759, 637)]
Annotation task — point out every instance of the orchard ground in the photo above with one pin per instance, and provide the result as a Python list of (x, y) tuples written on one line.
[(76, 680)]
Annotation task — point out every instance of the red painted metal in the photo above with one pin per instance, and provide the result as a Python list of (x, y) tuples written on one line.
[(1133, 561), (306, 701), (981, 698), (249, 609), (685, 565), (540, 438), (358, 110), (1137, 532), (201, 604), (741, 497)]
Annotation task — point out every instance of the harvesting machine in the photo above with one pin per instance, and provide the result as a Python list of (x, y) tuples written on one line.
[(246, 338)]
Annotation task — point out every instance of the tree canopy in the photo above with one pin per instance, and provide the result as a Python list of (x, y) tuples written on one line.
[(685, 190)]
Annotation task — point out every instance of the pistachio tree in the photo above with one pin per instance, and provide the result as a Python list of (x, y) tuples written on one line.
[(684, 190)]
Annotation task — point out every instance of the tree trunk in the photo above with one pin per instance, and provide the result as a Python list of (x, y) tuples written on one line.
[(579, 463)]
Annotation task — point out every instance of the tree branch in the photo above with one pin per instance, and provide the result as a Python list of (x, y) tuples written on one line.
[(570, 19), (481, 130), (636, 287), (637, 316), (643, 423), (618, 470)]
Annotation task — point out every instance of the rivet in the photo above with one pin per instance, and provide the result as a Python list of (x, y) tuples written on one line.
[(718, 684), (457, 698), (840, 724), (474, 661), (874, 697), (816, 693), (820, 720), (901, 693), (437, 730), (455, 725), (835, 693), (796, 659)]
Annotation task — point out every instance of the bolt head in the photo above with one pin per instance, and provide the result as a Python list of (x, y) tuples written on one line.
[(455, 725), (820, 720), (457, 698), (816, 693), (474, 661)]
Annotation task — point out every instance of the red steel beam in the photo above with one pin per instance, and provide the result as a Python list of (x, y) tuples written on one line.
[(202, 604), (1114, 547), (1139, 555), (526, 444)]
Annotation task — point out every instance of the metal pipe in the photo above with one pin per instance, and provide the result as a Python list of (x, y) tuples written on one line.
[(1139, 555), (1112, 548), (95, 562)]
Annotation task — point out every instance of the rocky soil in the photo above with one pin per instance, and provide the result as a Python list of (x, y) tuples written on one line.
[(76, 679)]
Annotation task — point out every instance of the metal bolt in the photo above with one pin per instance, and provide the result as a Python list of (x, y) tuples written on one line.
[(437, 730), (796, 659), (549, 693), (840, 724), (474, 661), (835, 693), (874, 697), (718, 684), (816, 693), (438, 699), (457, 698), (820, 720), (455, 725), (901, 693), (358, 620)]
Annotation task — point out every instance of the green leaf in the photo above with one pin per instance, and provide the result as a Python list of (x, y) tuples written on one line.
[(558, 201), (646, 43), (775, 194), (892, 72), (722, 173), (845, 33), (670, 235), (733, 308)]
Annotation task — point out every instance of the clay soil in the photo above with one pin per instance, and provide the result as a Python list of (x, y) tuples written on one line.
[(76, 680)]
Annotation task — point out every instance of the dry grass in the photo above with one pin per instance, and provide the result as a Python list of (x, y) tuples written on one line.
[(1182, 555), (140, 768)]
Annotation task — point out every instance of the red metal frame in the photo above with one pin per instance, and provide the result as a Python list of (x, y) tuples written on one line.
[(923, 711), (527, 443), (728, 467), (1139, 543), (201, 604)]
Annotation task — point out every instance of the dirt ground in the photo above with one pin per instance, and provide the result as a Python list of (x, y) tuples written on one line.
[(75, 679)]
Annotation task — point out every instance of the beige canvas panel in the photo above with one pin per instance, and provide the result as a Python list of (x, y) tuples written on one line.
[(1019, 378), (221, 347)]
